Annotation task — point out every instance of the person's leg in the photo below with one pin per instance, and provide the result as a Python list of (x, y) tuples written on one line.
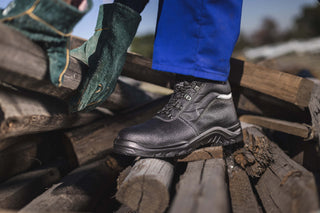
[(105, 51), (197, 37), (194, 39)]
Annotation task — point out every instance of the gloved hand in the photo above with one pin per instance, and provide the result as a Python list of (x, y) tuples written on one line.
[(48, 23), (105, 54)]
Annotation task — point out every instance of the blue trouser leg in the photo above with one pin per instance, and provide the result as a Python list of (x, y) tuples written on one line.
[(197, 37)]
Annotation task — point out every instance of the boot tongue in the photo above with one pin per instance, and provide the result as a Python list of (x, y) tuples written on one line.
[(182, 94)]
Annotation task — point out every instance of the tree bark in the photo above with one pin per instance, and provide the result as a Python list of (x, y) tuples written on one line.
[(23, 113), (286, 186), (81, 190), (21, 189), (31, 73)]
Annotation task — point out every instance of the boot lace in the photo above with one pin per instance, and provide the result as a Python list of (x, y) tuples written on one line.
[(183, 92)]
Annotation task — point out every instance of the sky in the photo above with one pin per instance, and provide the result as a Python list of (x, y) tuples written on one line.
[(253, 12)]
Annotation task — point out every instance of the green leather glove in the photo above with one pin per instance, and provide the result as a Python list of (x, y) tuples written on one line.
[(48, 23), (105, 54)]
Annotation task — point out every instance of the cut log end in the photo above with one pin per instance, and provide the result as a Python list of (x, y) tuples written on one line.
[(144, 194), (145, 187)]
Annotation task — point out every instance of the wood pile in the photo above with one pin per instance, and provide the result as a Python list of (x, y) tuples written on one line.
[(54, 161)]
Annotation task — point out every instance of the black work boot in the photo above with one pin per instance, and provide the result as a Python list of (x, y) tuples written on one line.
[(198, 113)]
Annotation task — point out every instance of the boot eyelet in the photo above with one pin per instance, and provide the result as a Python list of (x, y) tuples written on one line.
[(188, 97), (196, 88)]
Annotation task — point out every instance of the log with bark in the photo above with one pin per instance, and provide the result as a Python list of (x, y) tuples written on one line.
[(79, 191), (202, 188), (283, 185), (19, 157), (145, 188), (31, 72), (23, 153), (287, 186), (18, 191), (25, 113)]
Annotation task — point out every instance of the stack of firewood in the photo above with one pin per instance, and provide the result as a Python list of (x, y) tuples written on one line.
[(54, 161)]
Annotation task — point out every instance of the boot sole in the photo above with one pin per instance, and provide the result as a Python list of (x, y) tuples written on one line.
[(216, 136)]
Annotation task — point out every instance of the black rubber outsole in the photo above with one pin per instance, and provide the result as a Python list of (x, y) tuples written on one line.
[(216, 136)]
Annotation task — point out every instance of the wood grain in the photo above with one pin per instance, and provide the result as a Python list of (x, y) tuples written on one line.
[(243, 199), (281, 85), (278, 84), (24, 113), (18, 191), (202, 188), (286, 186), (297, 129), (146, 188), (79, 191), (203, 154), (32, 72)]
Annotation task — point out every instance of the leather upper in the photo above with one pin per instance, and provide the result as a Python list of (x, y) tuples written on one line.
[(196, 110)]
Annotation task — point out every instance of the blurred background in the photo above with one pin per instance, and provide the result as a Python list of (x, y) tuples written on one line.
[(275, 33)]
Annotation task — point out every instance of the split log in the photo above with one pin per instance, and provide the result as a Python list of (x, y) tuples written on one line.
[(302, 130), (92, 142), (241, 194), (80, 190), (314, 108), (20, 190), (146, 187), (24, 113), (286, 186), (202, 188), (255, 156), (31, 72)]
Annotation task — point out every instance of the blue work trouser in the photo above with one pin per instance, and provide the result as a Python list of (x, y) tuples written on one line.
[(197, 37)]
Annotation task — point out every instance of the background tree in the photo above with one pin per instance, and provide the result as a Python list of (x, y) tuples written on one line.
[(267, 34), (307, 24)]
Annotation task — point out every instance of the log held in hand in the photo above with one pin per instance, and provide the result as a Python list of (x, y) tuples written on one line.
[(24, 64)]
